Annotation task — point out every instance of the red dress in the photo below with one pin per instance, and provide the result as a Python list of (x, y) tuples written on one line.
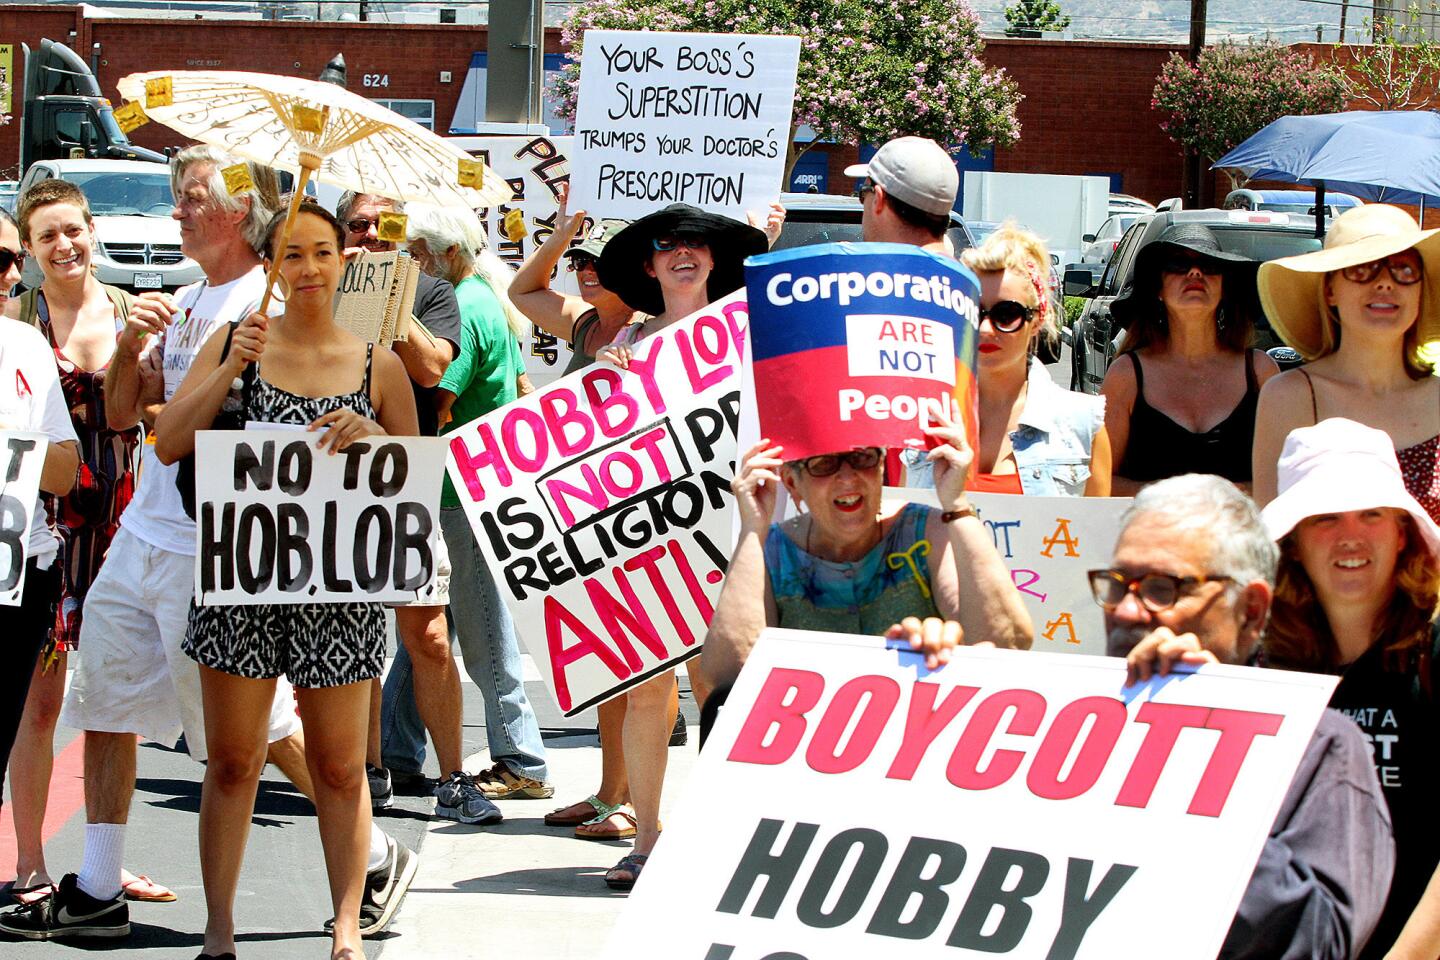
[(1420, 466), (995, 483)]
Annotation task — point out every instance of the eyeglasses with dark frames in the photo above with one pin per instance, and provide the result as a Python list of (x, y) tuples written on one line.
[(1157, 591), (1404, 272), (1180, 265), (579, 261), (359, 224), (1007, 316), (669, 241), (11, 258), (828, 464)]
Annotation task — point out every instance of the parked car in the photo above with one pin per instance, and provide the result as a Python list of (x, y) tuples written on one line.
[(138, 242), (1125, 203), (1289, 201), (9, 194), (831, 218), (1102, 243), (1258, 235)]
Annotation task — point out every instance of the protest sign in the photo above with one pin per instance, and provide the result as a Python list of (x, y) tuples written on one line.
[(1012, 803), (376, 294), (697, 118), (22, 459), (278, 521), (859, 345), (603, 505), (535, 167)]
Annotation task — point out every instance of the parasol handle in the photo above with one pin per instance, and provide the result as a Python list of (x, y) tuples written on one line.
[(308, 164)]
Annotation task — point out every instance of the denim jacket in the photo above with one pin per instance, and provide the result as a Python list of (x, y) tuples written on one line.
[(1051, 442)]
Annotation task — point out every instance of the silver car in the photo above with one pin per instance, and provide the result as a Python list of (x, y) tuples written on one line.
[(138, 242)]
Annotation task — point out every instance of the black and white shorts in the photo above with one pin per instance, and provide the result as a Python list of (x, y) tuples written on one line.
[(314, 644)]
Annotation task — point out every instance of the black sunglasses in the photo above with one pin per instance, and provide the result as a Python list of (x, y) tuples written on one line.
[(1007, 316), (865, 188), (1181, 264), (359, 224), (828, 464), (1403, 272), (11, 258), (579, 261), (667, 242)]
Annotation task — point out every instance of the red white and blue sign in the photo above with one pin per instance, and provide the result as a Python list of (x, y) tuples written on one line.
[(859, 344)]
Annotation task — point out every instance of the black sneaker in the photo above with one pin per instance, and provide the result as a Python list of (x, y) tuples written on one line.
[(679, 736), (460, 798), (69, 912), (385, 887), (382, 794)]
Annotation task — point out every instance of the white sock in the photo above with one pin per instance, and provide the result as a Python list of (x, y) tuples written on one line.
[(104, 851), (378, 849)]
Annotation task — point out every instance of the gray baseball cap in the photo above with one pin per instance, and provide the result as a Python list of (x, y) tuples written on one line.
[(915, 170)]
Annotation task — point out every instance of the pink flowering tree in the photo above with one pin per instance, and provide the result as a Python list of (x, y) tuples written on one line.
[(868, 71), (1233, 90)]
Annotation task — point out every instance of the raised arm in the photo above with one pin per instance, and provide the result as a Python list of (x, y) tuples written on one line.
[(548, 309), (127, 401)]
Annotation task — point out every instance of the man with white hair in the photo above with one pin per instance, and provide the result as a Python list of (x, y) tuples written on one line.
[(450, 244), (1191, 580)]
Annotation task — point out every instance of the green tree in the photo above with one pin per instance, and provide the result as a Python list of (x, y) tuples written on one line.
[(1233, 90), (866, 74), (1398, 71), (1033, 16)]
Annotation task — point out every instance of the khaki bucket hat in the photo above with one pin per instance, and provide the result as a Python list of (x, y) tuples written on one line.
[(1292, 290)]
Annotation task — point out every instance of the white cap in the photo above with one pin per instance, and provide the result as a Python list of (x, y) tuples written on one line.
[(914, 170)]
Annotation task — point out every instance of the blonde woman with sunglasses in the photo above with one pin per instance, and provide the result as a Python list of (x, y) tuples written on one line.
[(1361, 310)]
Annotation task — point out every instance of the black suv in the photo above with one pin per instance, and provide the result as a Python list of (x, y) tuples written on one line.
[(1258, 235)]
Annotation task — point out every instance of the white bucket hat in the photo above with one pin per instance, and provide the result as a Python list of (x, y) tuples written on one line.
[(1337, 466)]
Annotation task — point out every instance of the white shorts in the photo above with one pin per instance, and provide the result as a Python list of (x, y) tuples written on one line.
[(440, 595), (130, 674)]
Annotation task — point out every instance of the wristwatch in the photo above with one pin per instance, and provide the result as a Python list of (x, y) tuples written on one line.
[(950, 516)]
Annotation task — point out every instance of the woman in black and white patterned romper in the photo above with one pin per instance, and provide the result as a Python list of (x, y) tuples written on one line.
[(330, 652)]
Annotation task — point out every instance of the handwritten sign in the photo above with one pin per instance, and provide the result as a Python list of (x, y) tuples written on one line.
[(860, 345), (22, 459), (1032, 807), (278, 521), (376, 295), (603, 504), (697, 118), (534, 167)]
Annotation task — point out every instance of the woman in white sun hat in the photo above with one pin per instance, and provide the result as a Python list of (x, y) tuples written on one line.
[(1355, 595), (1360, 311)]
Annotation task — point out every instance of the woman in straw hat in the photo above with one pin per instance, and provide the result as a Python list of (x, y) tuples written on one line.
[(1183, 398), (1355, 595), (1359, 310)]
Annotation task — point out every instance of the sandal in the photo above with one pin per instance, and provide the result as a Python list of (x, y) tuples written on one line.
[(603, 828), (598, 808), (144, 890), (32, 894), (631, 864)]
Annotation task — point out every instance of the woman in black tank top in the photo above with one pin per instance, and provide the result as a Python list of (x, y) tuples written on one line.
[(1189, 318)]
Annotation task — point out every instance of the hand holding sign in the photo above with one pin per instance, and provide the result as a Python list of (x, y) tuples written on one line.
[(952, 458), (757, 486), (1160, 651), (343, 427)]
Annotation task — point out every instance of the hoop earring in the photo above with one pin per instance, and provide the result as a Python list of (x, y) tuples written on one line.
[(1220, 318)]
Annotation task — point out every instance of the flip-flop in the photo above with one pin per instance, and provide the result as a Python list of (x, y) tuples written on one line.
[(598, 808), (144, 890), (603, 829), (32, 894), (632, 864)]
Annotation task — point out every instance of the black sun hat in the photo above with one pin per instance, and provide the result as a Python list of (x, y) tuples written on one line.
[(622, 263), (1194, 238)]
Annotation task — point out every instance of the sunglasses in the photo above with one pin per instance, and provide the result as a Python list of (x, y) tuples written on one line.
[(1157, 591), (1007, 316), (359, 224), (1182, 265), (1403, 272), (828, 464), (580, 261), (866, 188), (669, 241), (11, 258)]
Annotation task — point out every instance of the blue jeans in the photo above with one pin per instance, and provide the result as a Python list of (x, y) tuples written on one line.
[(481, 623)]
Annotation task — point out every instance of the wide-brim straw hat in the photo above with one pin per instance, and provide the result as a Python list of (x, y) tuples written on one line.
[(1194, 238), (1292, 290), (622, 264), (1338, 466)]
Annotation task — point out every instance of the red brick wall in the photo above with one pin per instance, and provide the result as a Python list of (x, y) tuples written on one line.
[(28, 24)]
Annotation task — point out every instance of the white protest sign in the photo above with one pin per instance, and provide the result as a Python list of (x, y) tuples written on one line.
[(376, 294), (535, 167), (603, 505), (278, 521), (887, 814), (697, 118), (22, 459)]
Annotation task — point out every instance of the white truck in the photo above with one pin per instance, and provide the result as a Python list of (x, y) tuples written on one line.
[(1061, 209)]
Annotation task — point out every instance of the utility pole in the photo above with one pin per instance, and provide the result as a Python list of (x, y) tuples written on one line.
[(1193, 162), (1344, 9)]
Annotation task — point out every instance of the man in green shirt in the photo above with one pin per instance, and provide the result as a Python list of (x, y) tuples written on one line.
[(485, 375)]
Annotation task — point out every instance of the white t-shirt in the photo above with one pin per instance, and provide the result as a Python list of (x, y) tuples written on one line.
[(156, 514), (31, 399)]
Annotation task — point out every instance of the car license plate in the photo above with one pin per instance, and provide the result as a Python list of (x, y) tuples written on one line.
[(147, 281)]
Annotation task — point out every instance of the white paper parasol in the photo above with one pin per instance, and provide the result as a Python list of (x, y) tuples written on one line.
[(316, 130)]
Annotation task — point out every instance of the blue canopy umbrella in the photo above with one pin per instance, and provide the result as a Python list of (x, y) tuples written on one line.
[(1389, 156)]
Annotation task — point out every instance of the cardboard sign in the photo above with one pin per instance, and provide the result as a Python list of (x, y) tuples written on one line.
[(697, 118), (1013, 803), (858, 345), (278, 521), (603, 506), (535, 167), (376, 295), (22, 459)]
